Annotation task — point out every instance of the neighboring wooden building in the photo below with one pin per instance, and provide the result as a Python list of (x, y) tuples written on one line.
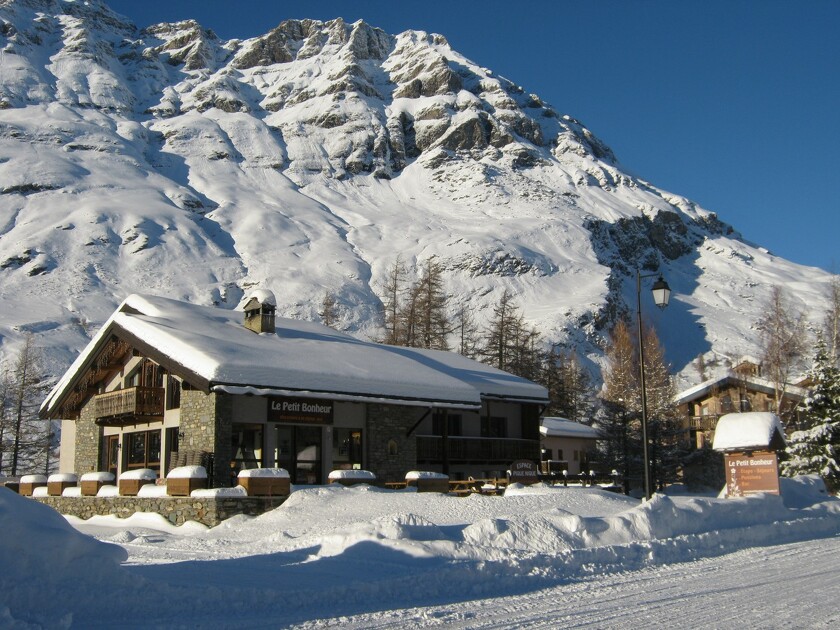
[(571, 445), (166, 382), (743, 390)]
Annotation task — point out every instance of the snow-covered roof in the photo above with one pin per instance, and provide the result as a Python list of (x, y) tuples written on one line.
[(752, 383), (560, 427), (211, 347), (748, 431)]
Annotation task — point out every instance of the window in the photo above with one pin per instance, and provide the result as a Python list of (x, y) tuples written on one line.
[(454, 423), (173, 392), (143, 450), (494, 427), (347, 448), (246, 445)]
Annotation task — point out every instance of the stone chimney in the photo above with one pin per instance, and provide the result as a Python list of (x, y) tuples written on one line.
[(259, 311)]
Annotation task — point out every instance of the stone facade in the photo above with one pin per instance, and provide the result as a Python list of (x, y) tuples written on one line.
[(206, 421), (390, 452), (177, 510), (88, 440)]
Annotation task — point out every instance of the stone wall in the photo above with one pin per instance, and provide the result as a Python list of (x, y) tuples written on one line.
[(391, 454), (206, 424), (88, 438), (177, 510)]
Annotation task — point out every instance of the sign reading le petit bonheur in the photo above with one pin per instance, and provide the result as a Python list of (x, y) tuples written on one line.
[(300, 410), (751, 473)]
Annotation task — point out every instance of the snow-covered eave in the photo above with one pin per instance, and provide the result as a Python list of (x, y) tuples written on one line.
[(51, 406), (255, 390), (536, 400)]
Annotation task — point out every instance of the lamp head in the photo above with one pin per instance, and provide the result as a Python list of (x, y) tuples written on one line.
[(661, 292)]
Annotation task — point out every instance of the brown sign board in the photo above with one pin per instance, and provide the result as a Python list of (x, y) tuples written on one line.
[(751, 473), (523, 471), (300, 410)]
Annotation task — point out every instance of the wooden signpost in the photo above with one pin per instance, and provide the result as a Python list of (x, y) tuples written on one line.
[(750, 473)]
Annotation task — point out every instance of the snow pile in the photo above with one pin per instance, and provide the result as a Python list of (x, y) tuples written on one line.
[(360, 475), (414, 475), (50, 569), (343, 550)]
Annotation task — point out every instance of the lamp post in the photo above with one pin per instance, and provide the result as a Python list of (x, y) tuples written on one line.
[(661, 294)]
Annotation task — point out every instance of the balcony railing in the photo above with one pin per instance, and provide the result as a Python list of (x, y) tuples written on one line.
[(703, 423), (130, 404), (476, 450)]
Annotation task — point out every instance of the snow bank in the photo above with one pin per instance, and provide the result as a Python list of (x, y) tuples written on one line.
[(50, 569), (362, 475), (414, 475), (151, 490), (209, 493)]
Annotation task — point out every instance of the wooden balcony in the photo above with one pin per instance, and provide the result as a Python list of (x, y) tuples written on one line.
[(476, 450), (703, 423), (129, 406)]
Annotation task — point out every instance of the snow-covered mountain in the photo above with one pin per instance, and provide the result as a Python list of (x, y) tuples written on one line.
[(168, 161)]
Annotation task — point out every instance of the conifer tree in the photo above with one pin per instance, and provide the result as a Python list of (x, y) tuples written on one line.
[(466, 332), (329, 310), (816, 450), (664, 429), (25, 433), (618, 421), (393, 289), (429, 321)]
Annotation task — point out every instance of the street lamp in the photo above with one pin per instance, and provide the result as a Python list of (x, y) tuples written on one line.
[(661, 294)]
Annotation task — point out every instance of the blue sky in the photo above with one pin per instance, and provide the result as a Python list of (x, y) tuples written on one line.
[(734, 104)]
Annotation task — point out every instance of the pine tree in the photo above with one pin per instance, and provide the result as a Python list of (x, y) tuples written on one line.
[(26, 435), (816, 450), (329, 310), (569, 386), (393, 289), (664, 429), (430, 324), (466, 331), (618, 420)]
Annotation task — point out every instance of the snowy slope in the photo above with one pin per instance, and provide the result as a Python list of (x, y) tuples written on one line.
[(167, 161)]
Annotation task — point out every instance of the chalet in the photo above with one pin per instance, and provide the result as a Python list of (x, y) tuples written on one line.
[(567, 445), (165, 383), (742, 390)]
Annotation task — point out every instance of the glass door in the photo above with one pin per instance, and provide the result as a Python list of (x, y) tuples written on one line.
[(112, 454), (298, 450)]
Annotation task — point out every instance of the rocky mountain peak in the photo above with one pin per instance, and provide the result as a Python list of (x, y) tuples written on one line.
[(167, 160)]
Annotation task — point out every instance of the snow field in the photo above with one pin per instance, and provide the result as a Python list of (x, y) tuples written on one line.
[(331, 551)]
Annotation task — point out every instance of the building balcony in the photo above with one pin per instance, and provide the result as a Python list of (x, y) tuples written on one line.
[(476, 450), (129, 406), (703, 423)]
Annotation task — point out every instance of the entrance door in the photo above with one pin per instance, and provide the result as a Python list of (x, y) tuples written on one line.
[(298, 450)]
